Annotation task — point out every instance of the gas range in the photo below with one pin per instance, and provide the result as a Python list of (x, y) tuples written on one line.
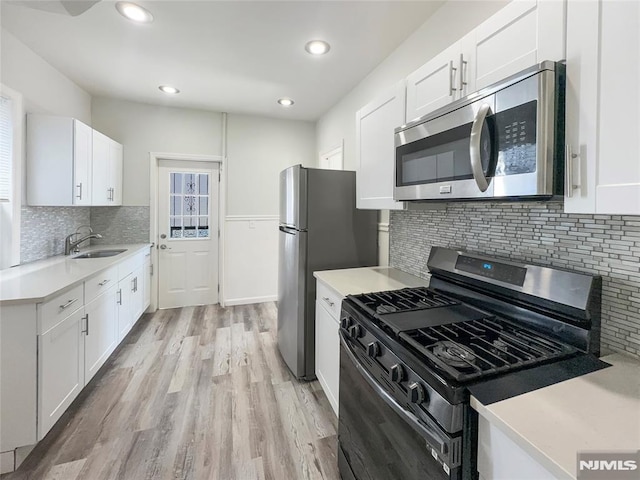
[(482, 321)]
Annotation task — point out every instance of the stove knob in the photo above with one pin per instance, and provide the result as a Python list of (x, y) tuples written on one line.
[(396, 373), (416, 393), (373, 349), (345, 322), (355, 331)]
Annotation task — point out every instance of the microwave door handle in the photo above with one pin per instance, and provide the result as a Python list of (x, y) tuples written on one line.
[(474, 147)]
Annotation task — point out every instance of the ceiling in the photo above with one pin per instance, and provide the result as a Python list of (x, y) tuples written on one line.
[(229, 56)]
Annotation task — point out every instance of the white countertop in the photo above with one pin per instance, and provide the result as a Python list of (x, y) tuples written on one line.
[(599, 411), (37, 281), (352, 281)]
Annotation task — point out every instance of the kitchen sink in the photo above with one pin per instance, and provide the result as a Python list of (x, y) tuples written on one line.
[(100, 254)]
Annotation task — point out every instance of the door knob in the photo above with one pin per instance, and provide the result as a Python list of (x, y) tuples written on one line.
[(164, 247), (163, 236)]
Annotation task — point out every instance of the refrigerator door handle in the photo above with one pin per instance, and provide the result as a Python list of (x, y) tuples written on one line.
[(288, 231)]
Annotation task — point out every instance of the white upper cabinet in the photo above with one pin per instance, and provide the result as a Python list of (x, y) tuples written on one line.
[(58, 161), (107, 170), (522, 34), (375, 149), (603, 107), (443, 79), (69, 163)]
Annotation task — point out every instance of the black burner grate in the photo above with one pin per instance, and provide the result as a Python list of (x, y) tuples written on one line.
[(477, 348), (405, 300)]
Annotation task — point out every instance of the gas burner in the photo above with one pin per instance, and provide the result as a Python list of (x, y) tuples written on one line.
[(454, 354), (382, 309)]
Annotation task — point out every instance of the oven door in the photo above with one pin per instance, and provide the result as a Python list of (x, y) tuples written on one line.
[(378, 438)]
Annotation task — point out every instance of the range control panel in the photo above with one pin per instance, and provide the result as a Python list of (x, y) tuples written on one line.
[(490, 269)]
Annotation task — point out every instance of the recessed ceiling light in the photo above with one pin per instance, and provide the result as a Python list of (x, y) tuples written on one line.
[(134, 12), (169, 89), (286, 102), (317, 47)]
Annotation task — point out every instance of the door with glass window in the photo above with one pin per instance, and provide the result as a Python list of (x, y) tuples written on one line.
[(188, 233)]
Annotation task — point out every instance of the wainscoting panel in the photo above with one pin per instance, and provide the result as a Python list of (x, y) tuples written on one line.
[(251, 263)]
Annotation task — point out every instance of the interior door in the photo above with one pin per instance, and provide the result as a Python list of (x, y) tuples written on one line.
[(188, 233)]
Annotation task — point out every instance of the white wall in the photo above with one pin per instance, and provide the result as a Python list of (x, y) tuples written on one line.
[(258, 149), (44, 89), (143, 128)]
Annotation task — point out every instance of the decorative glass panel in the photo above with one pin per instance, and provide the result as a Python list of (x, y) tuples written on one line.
[(189, 205)]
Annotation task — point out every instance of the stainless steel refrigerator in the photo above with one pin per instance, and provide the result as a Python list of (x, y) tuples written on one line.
[(320, 229)]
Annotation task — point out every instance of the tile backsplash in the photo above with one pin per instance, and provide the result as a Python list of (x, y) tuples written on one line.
[(43, 230), (120, 224), (541, 233)]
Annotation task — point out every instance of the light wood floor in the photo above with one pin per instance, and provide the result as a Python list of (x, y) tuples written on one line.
[(194, 393)]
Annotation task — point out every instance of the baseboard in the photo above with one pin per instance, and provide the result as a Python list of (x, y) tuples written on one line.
[(248, 300)]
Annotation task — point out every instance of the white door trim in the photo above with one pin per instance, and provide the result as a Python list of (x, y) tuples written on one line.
[(154, 160)]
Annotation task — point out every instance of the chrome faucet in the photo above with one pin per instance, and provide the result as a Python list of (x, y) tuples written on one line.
[(72, 242)]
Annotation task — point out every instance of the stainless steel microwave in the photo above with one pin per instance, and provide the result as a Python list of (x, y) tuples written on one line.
[(502, 142)]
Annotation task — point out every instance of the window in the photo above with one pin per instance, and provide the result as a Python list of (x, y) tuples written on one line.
[(189, 205), (11, 120)]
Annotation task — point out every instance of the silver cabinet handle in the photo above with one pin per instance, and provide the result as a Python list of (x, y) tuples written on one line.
[(326, 299), (68, 304), (151, 270), (104, 282), (569, 156), (452, 69), (474, 147), (79, 187), (119, 292), (86, 319), (463, 64)]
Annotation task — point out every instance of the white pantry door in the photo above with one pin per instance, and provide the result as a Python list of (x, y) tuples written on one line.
[(188, 230)]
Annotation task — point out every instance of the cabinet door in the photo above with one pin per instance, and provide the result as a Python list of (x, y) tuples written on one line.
[(618, 173), (375, 149), (82, 155), (60, 369), (115, 172), (146, 281), (582, 106), (603, 117), (101, 170), (328, 354), (101, 337), (125, 306), (137, 294), (435, 84), (519, 36)]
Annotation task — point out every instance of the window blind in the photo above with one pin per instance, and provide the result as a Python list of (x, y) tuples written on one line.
[(6, 148)]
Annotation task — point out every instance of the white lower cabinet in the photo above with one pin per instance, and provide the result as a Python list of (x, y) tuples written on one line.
[(75, 332), (101, 333), (328, 342), (500, 458), (61, 369)]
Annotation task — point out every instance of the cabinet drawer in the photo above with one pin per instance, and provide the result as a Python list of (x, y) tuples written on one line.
[(57, 309), (100, 283), (331, 300), (127, 266)]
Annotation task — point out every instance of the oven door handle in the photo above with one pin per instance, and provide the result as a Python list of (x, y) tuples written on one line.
[(433, 437), (474, 147)]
